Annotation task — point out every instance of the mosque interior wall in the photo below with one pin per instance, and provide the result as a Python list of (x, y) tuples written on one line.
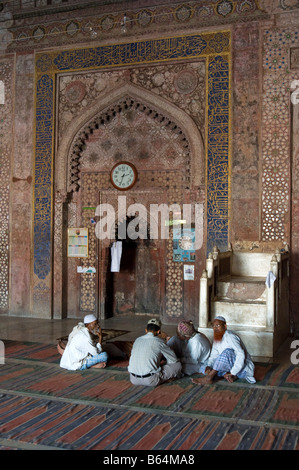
[(206, 116)]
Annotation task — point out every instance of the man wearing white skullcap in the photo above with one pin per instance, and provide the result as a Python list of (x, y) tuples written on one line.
[(229, 357), (89, 319), (81, 352), (146, 366)]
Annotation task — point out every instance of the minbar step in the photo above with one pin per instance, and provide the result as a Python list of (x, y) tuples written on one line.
[(242, 288), (241, 313)]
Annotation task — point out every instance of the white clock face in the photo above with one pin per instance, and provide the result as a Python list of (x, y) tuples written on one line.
[(185, 243), (123, 175)]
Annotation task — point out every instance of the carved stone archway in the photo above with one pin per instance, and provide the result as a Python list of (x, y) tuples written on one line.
[(104, 107)]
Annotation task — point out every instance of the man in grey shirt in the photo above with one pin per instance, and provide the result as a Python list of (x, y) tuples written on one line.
[(145, 362)]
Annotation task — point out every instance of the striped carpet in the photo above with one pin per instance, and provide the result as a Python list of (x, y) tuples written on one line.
[(45, 407)]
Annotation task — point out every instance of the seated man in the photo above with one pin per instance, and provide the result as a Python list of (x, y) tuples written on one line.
[(191, 347), (81, 352), (229, 357), (145, 362)]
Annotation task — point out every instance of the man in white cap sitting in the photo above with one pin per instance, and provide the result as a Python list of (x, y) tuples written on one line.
[(145, 365), (229, 357), (82, 351)]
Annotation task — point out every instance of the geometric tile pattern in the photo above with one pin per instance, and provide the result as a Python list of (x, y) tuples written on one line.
[(276, 125), (105, 22), (6, 110)]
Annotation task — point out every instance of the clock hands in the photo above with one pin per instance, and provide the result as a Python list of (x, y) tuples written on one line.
[(128, 174)]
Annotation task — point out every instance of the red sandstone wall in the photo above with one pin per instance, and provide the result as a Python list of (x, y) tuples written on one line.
[(245, 176), (21, 189)]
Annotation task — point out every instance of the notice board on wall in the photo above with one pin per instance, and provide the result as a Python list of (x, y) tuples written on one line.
[(184, 245), (77, 242)]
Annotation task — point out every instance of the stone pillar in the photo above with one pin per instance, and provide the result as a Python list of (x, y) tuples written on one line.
[(204, 300), (59, 248)]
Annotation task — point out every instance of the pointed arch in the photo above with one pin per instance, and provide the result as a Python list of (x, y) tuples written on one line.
[(128, 94)]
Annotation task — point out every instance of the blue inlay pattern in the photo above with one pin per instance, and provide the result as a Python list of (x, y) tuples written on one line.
[(43, 176), (218, 152), (131, 53)]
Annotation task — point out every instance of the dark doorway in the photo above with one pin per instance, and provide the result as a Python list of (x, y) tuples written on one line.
[(137, 287)]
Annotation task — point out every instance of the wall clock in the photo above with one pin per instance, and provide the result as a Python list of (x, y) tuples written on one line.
[(123, 175), (186, 243)]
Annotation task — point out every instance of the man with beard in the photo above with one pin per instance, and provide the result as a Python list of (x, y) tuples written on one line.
[(83, 350), (229, 357)]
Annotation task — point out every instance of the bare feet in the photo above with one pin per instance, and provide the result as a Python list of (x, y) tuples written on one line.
[(100, 365), (230, 377), (206, 380)]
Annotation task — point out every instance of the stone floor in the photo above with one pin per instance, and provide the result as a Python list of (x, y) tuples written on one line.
[(47, 331)]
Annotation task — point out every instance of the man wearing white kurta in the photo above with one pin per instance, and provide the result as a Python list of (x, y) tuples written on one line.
[(81, 352), (191, 347), (229, 357)]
